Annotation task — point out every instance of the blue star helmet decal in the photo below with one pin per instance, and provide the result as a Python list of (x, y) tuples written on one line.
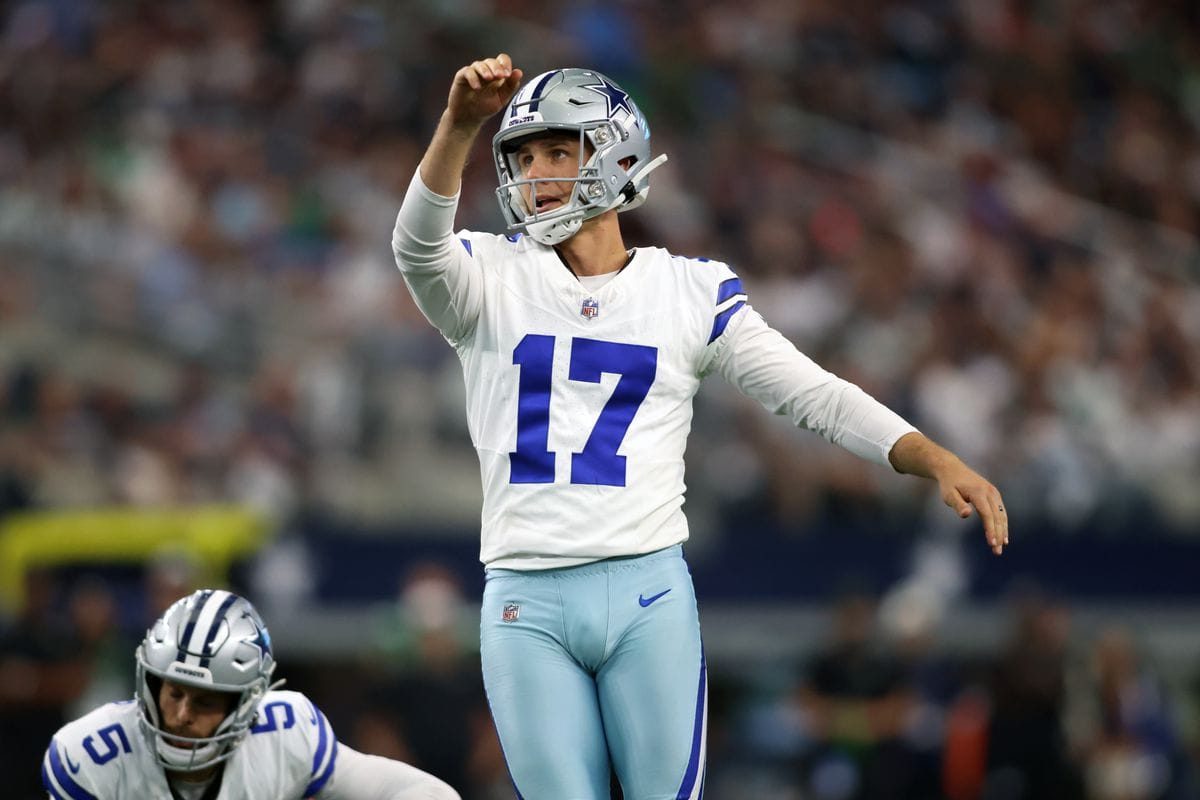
[(613, 95), (263, 640)]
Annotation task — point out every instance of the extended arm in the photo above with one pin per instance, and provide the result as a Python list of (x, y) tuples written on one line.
[(764, 365), (365, 777)]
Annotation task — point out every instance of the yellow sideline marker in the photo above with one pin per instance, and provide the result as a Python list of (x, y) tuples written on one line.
[(215, 536)]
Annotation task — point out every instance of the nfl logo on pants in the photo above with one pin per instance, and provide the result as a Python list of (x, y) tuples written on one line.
[(510, 613)]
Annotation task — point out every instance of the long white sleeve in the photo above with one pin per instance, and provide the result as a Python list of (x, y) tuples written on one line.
[(365, 777), (443, 278), (765, 366)]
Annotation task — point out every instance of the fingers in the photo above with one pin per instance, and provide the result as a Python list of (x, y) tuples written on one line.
[(987, 501), (481, 89), (488, 71), (960, 504), (1000, 517), (995, 518)]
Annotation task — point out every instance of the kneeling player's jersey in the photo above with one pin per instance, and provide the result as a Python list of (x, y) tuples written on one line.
[(289, 753)]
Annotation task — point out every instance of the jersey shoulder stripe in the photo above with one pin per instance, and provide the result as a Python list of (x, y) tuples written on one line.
[(731, 298), (58, 776), (325, 757), (728, 288), (719, 284), (721, 321)]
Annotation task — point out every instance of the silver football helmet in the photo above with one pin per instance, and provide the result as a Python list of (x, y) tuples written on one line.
[(211, 639), (611, 129)]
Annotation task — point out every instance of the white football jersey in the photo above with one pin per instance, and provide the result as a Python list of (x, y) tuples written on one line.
[(579, 401), (289, 753)]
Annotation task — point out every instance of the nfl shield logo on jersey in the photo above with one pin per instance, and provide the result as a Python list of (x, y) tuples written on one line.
[(510, 613), (590, 309)]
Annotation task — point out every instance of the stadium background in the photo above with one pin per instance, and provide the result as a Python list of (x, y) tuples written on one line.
[(985, 213)]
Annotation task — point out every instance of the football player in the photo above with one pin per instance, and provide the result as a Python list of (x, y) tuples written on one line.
[(207, 723), (581, 358)]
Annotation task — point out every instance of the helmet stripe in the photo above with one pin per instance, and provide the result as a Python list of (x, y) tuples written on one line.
[(191, 625), (207, 616), (535, 97), (205, 652)]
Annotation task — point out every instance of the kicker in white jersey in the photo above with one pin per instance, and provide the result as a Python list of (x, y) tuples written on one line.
[(579, 398)]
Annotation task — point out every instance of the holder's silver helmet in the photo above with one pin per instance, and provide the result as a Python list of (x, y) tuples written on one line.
[(609, 125), (214, 640)]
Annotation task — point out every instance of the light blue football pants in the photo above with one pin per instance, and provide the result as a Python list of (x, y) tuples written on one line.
[(596, 665)]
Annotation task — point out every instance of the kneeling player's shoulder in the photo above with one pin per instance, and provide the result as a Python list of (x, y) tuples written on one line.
[(291, 728), (120, 716), (295, 717), (87, 756), (281, 711)]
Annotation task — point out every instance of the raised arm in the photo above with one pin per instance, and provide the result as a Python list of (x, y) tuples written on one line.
[(961, 487), (479, 91), (438, 270)]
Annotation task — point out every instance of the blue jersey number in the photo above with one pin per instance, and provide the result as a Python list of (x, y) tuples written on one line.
[(270, 714), (598, 463), (114, 740)]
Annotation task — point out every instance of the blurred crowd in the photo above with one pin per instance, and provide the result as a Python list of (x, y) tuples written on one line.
[(884, 710), (986, 213)]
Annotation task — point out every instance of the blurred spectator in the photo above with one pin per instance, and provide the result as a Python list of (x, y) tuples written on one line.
[(1124, 733), (426, 700), (41, 674), (170, 574), (859, 699), (1027, 757), (101, 644)]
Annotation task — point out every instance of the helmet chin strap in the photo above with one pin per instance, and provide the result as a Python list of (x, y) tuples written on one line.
[(186, 759), (552, 231)]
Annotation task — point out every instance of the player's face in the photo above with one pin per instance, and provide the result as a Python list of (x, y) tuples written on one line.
[(191, 712), (554, 156)]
